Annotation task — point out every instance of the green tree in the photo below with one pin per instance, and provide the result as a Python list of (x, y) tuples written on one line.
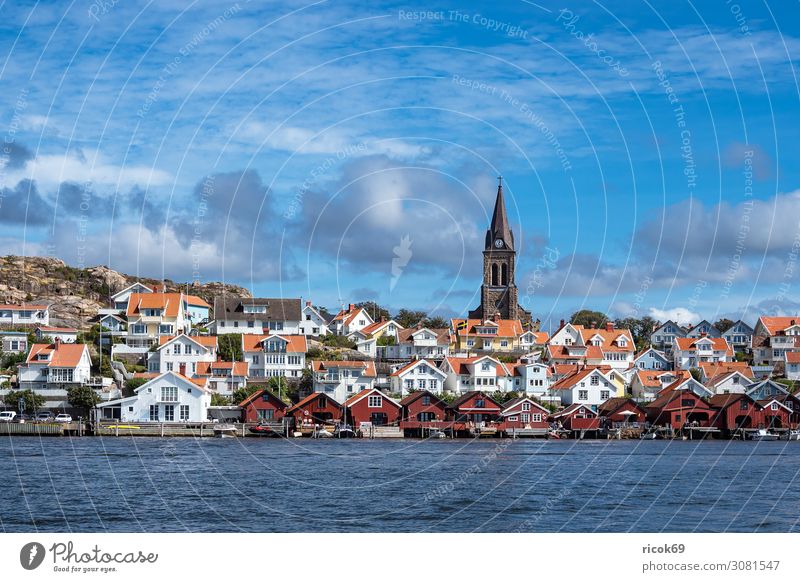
[(436, 322), (243, 393), (229, 347), (640, 329), (696, 374), (587, 317), (83, 397), (134, 383), (723, 324), (385, 340), (219, 400), (410, 318), (375, 311), (32, 400)]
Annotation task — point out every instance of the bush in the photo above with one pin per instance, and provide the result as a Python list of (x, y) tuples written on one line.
[(229, 347), (32, 400), (337, 341)]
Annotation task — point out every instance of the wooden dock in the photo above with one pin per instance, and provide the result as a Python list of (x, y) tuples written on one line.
[(38, 429)]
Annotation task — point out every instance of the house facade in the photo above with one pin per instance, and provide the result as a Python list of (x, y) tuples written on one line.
[(341, 379), (312, 323), (773, 337), (739, 336), (257, 315), (490, 335), (418, 342), (664, 335), (476, 373), (14, 342), (182, 354), (689, 352), (25, 314), (274, 355), (587, 386), (167, 398), (150, 316), (652, 359), (55, 365), (372, 406), (417, 375), (263, 406), (350, 320)]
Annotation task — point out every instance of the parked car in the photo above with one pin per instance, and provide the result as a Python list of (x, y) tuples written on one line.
[(44, 417), (7, 416), (63, 418), (23, 418)]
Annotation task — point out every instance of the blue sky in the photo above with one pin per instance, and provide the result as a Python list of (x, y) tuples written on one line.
[(341, 153)]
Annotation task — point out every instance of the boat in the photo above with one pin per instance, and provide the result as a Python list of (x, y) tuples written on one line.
[(792, 435), (649, 436), (763, 435), (224, 431), (323, 433), (436, 434), (344, 432), (125, 426), (263, 430)]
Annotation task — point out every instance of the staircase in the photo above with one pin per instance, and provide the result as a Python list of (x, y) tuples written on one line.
[(386, 432)]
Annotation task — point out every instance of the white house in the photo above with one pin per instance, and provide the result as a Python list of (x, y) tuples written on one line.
[(13, 341), (531, 378), (150, 316), (256, 315), (223, 377), (646, 384), (729, 383), (25, 314), (366, 338), (689, 352), (587, 386), (182, 354), (792, 365), (773, 337), (341, 379), (312, 323), (198, 311), (606, 346), (54, 365), (66, 335), (349, 320), (417, 375), (475, 373), (418, 342), (704, 328), (169, 397), (652, 359), (664, 336), (120, 299), (739, 336), (275, 355)]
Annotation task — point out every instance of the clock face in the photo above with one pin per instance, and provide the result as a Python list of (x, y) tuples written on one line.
[(498, 243)]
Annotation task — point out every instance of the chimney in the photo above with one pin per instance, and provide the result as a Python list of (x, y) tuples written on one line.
[(308, 303), (703, 334), (383, 319), (561, 324), (593, 325), (351, 307), (57, 341), (609, 326), (497, 316)]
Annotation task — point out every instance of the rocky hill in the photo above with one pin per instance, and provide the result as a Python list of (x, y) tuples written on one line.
[(75, 295)]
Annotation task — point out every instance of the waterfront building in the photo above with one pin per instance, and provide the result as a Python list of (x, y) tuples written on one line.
[(588, 386), (263, 406), (423, 406), (488, 336), (479, 372), (372, 406), (476, 407), (524, 413), (341, 379), (169, 398), (577, 417), (417, 375), (315, 409), (621, 412)]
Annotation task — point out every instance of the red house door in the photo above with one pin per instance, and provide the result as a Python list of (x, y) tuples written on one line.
[(183, 369)]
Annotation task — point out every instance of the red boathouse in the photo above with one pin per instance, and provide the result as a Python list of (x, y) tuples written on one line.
[(263, 406), (316, 408), (373, 406)]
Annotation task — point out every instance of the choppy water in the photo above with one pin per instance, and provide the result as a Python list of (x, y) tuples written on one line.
[(264, 485)]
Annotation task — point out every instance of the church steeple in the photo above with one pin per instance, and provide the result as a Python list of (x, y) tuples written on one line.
[(499, 236)]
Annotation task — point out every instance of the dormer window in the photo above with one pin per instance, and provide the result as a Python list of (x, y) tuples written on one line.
[(485, 366)]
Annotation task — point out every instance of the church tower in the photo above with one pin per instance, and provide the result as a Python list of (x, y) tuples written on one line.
[(499, 293)]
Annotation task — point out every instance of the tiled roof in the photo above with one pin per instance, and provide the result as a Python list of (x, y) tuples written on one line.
[(366, 392), (689, 343), (207, 368), (232, 308), (310, 398), (412, 364), (570, 380), (377, 326), (295, 343), (57, 329), (258, 394), (466, 396), (793, 357), (368, 366), (62, 355), (776, 324), (208, 341), (442, 334), (171, 303), (711, 369), (505, 327), (419, 394), (460, 365), (23, 306), (197, 301)]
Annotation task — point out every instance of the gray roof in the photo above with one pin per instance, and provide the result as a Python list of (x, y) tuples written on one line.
[(232, 308)]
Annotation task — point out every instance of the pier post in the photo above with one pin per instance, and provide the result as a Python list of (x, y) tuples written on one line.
[(116, 429), (162, 429)]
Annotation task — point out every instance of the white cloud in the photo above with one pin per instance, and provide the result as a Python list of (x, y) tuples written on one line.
[(680, 315)]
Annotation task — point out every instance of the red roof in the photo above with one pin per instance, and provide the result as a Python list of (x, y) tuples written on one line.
[(257, 394), (196, 301), (366, 392), (169, 302), (310, 398), (792, 358), (505, 327), (774, 325), (207, 368), (367, 365), (690, 343), (62, 355)]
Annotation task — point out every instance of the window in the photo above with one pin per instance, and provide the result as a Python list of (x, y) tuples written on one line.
[(536, 417), (169, 412), (526, 406), (266, 414), (235, 324), (743, 405), (169, 393), (169, 366), (526, 418), (595, 381), (583, 395), (480, 403), (426, 400), (687, 402), (409, 384), (375, 401), (154, 412), (485, 366), (251, 324), (184, 412), (774, 406), (503, 343), (421, 384), (433, 385), (604, 394)]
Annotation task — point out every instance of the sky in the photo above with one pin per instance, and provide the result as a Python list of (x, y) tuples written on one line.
[(341, 152)]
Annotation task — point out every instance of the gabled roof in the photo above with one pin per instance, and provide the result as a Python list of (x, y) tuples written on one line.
[(734, 324), (232, 308), (643, 353), (677, 327), (690, 343), (442, 334), (201, 383), (204, 341), (368, 366), (610, 337), (711, 369), (145, 289), (23, 306), (413, 364), (171, 303), (207, 368), (44, 329), (414, 396), (720, 378), (346, 316), (294, 343), (258, 394), (377, 326), (571, 380), (460, 366), (792, 357), (468, 395), (725, 400), (505, 327), (573, 409), (310, 398), (514, 402), (197, 301), (611, 405), (367, 392), (773, 325), (62, 355)]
